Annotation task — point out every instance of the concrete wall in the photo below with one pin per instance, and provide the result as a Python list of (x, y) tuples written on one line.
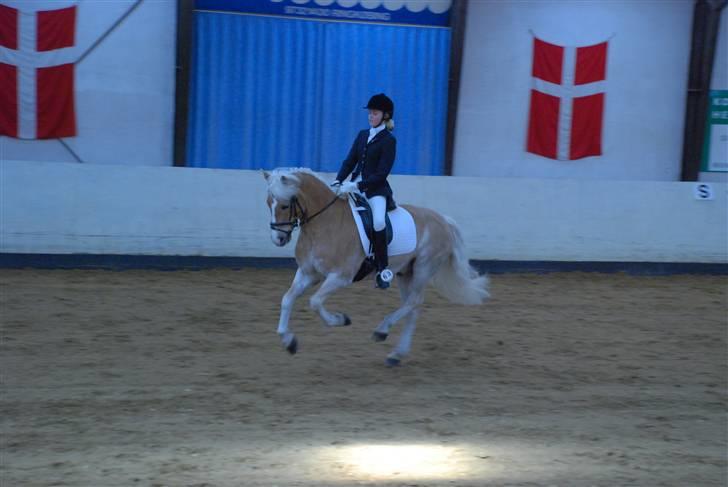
[(647, 71), (124, 87), (75, 208)]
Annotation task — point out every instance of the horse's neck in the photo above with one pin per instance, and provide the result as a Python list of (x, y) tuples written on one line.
[(315, 196), (326, 240)]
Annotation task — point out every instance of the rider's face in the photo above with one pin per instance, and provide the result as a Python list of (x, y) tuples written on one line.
[(375, 117)]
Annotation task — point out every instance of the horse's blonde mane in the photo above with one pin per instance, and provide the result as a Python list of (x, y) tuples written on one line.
[(285, 191)]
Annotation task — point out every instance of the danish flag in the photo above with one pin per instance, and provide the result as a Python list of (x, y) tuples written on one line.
[(567, 100), (37, 59)]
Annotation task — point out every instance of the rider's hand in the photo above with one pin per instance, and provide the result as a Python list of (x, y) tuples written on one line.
[(349, 187), (336, 186)]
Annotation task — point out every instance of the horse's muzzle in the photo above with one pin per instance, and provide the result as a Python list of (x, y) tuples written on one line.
[(280, 238)]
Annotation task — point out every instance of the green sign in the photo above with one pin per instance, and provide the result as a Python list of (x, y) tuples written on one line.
[(715, 146)]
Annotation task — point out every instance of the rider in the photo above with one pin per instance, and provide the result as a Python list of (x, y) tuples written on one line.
[(369, 162)]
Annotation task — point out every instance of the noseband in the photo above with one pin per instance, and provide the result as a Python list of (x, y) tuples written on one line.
[(297, 216)]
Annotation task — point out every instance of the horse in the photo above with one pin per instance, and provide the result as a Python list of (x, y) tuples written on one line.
[(329, 250)]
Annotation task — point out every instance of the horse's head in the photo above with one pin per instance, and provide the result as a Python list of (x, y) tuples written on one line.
[(291, 194), (284, 207)]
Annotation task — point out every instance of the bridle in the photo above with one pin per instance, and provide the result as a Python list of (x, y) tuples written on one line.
[(297, 216)]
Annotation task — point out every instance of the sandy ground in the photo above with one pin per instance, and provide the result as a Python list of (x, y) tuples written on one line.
[(177, 379)]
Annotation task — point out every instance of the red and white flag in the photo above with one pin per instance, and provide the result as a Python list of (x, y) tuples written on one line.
[(567, 100), (37, 58)]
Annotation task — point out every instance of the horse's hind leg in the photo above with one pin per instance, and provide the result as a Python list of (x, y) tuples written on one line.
[(332, 283), (412, 289), (382, 331), (405, 340)]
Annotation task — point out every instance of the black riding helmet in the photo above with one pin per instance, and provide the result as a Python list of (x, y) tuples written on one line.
[(381, 102)]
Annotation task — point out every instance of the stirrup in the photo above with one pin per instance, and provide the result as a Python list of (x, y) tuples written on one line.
[(384, 277)]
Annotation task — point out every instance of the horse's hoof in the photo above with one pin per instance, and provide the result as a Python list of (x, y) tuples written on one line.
[(347, 320), (393, 362), (378, 336), (292, 347)]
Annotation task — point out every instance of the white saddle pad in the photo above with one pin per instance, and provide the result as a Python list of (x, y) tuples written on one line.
[(404, 231)]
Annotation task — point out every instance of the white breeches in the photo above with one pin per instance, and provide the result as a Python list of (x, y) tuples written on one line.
[(379, 212)]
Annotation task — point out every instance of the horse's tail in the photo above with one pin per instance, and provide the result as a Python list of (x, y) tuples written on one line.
[(457, 280)]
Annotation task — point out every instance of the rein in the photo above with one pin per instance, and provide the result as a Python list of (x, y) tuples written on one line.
[(297, 216)]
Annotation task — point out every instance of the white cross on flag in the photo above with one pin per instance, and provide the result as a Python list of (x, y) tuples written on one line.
[(567, 100), (37, 56)]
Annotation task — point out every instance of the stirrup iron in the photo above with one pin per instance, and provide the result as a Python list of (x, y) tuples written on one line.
[(386, 275)]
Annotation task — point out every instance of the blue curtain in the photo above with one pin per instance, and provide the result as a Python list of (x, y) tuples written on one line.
[(269, 92)]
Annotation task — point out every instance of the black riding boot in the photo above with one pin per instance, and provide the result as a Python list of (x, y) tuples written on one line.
[(384, 275)]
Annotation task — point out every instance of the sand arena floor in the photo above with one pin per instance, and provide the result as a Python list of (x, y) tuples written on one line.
[(178, 379)]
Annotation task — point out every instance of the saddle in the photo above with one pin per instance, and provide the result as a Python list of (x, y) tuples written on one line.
[(365, 212), (367, 219)]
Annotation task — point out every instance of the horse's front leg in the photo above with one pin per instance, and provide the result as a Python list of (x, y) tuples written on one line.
[(301, 282), (332, 283)]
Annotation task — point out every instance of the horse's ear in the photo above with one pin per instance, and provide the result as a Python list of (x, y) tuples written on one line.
[(266, 175)]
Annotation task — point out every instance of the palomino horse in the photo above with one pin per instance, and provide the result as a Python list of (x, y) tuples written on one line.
[(329, 250)]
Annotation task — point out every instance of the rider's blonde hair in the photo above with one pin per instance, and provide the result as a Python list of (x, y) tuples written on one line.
[(389, 124)]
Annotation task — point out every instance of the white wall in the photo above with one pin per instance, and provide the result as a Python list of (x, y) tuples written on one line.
[(719, 81), (647, 71), (75, 208), (720, 68), (124, 88)]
